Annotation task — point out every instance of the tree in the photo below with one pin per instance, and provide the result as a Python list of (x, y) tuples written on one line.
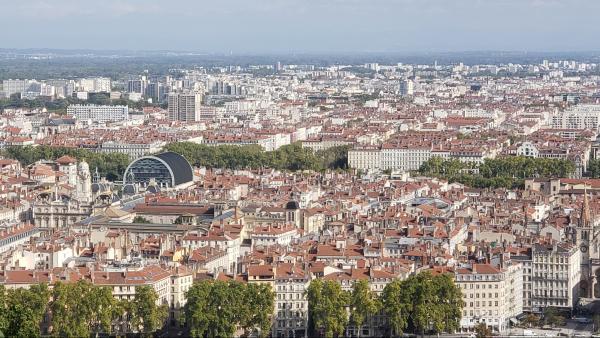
[(423, 302), (258, 304), (141, 219), (146, 315), (482, 330), (25, 310), (327, 307), (552, 317), (449, 302), (81, 308), (217, 308), (426, 311), (111, 165), (363, 304), (505, 172), (3, 311), (397, 305), (594, 168), (197, 310), (531, 320), (288, 157)]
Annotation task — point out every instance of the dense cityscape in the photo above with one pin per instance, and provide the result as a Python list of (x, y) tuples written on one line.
[(299, 168), (294, 200)]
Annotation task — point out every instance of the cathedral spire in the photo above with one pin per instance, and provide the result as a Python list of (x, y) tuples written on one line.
[(586, 217)]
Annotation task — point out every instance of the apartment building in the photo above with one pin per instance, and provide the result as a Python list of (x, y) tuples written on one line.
[(364, 158), (132, 149), (556, 272), (184, 106), (584, 116), (97, 113), (491, 295), (291, 305)]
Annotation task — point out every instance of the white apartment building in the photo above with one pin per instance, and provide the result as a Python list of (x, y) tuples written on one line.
[(11, 237), (268, 235), (491, 295), (556, 272), (364, 158), (410, 157), (291, 305), (585, 116), (184, 106), (100, 114), (95, 85), (133, 150), (181, 281), (406, 159), (14, 86)]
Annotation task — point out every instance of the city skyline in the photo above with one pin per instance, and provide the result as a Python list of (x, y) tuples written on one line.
[(292, 26)]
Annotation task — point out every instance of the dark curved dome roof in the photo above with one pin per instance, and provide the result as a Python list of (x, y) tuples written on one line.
[(182, 170), (292, 205), (169, 167)]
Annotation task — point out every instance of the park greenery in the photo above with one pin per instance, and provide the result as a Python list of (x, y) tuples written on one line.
[(502, 172), (421, 303), (219, 309), (110, 165), (79, 309), (289, 157)]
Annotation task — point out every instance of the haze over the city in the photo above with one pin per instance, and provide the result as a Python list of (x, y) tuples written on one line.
[(299, 168), (283, 26)]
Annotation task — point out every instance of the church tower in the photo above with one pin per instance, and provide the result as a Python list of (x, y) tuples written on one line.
[(84, 182)]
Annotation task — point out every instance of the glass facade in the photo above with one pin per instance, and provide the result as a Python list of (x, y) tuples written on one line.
[(145, 169)]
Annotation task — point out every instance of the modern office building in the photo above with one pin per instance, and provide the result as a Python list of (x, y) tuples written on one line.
[(406, 87), (101, 114)]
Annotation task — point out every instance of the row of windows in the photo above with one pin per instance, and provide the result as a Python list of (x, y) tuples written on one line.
[(478, 285), (477, 303), (482, 313), (290, 296), (489, 295)]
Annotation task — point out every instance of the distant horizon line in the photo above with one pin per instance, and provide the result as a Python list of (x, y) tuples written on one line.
[(306, 52)]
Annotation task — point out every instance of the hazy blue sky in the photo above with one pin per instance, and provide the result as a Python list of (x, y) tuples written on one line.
[(263, 26)]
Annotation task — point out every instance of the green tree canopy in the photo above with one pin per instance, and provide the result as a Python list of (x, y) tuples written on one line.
[(327, 304), (24, 310), (502, 172), (423, 302), (218, 309), (363, 304), (146, 315), (110, 165), (79, 309), (289, 157)]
